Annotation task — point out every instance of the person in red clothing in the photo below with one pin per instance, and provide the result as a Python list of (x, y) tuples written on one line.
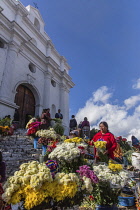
[(105, 135)]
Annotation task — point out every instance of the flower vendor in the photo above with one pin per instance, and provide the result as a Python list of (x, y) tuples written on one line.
[(105, 135), (45, 119)]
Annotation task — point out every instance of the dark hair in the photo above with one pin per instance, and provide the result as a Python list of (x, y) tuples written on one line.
[(85, 118), (133, 137), (38, 119), (105, 124), (73, 116), (1, 157)]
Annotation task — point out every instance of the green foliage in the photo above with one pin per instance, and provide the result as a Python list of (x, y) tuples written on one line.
[(5, 122), (125, 146), (93, 132), (128, 155), (103, 157), (59, 129), (105, 195), (127, 151)]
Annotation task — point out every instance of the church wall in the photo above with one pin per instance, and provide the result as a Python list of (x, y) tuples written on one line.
[(25, 45), (3, 54), (41, 45), (55, 96), (6, 111), (21, 73), (8, 11), (55, 57)]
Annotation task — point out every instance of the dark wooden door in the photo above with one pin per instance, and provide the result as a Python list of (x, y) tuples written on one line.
[(25, 100)]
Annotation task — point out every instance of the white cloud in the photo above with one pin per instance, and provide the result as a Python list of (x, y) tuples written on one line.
[(132, 101), (137, 85), (120, 122), (101, 95)]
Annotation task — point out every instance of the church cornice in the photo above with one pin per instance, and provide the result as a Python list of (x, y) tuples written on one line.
[(1, 9), (63, 59), (17, 30), (4, 22), (51, 62), (17, 6)]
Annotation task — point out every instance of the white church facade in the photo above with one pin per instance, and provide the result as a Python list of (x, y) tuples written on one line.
[(33, 75)]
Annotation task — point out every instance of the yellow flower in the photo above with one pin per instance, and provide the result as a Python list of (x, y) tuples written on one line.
[(74, 140), (100, 144), (115, 167), (16, 197)]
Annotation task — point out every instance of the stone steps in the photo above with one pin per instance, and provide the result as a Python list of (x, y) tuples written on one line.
[(17, 149)]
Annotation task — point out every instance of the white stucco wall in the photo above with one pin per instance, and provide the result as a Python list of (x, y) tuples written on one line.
[(20, 51)]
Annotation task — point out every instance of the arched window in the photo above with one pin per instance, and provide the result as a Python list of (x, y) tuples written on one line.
[(37, 24), (1, 44), (53, 83), (32, 67)]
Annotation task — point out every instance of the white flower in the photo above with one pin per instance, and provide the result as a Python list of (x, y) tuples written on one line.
[(115, 179)]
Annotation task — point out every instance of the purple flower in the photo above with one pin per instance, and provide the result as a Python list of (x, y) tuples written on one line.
[(85, 171)]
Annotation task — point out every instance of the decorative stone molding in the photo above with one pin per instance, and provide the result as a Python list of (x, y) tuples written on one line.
[(1, 9), (30, 79), (8, 103)]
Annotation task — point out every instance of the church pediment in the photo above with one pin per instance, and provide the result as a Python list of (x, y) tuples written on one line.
[(34, 11)]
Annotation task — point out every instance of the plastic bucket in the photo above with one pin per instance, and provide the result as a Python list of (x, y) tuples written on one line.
[(102, 207), (126, 201)]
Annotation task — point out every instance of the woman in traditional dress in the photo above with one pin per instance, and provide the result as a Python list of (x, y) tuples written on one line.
[(85, 128), (45, 119), (105, 135)]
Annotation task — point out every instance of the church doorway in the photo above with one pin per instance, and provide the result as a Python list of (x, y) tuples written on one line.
[(25, 99)]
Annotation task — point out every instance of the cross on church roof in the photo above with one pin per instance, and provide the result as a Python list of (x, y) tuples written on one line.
[(35, 4)]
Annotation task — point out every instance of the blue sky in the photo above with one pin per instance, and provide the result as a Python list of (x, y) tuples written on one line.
[(101, 41)]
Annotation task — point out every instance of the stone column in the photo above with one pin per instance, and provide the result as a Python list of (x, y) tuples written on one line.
[(49, 48), (62, 63), (7, 78), (47, 90), (64, 106)]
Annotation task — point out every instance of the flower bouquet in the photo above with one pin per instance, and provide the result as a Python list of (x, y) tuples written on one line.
[(114, 166), (109, 187), (28, 185), (5, 126), (34, 185), (100, 146), (69, 156), (46, 137), (4, 130), (32, 127), (117, 179), (74, 140)]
